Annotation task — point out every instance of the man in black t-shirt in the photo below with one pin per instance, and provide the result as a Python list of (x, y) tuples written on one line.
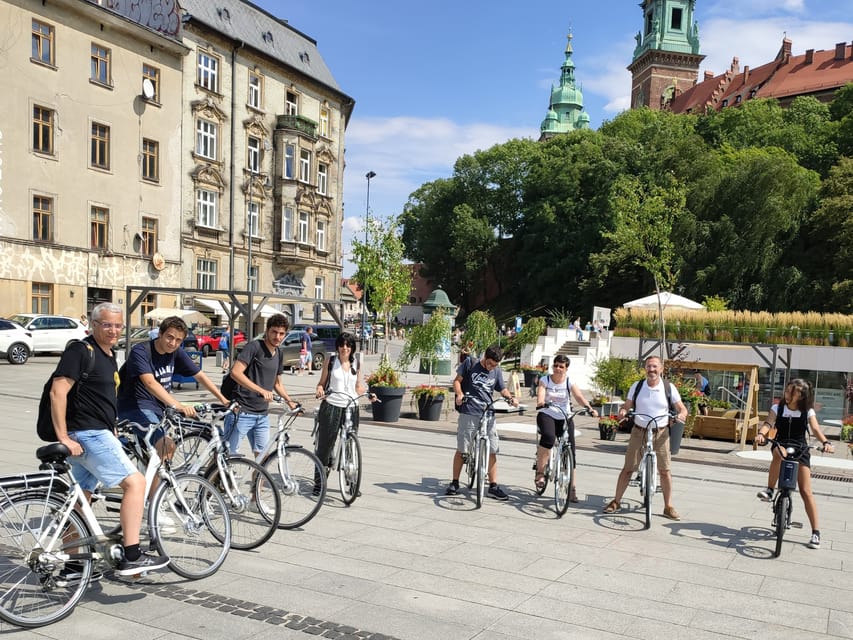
[(257, 373), (84, 416)]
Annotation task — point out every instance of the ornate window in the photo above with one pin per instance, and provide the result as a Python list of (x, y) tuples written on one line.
[(253, 154), (206, 205), (206, 133)]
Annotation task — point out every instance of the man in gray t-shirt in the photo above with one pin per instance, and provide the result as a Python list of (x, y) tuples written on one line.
[(256, 373), (479, 380)]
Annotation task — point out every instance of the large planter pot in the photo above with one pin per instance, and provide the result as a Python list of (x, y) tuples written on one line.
[(606, 433), (391, 399), (531, 378), (429, 407)]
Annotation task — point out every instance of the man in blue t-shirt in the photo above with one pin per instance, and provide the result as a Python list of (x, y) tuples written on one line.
[(479, 380), (146, 381)]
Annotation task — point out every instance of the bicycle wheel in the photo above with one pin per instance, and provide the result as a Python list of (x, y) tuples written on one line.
[(189, 445), (781, 509), (200, 539), (349, 468), (32, 592), (471, 462), (253, 501), (301, 479), (563, 481), (482, 466), (648, 490)]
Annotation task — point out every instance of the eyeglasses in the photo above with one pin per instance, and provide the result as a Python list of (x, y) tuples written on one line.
[(118, 326)]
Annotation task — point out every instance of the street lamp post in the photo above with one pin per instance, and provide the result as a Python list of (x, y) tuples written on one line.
[(369, 175)]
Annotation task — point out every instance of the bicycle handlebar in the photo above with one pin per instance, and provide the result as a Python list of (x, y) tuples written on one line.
[(797, 451), (652, 419), (489, 406), (298, 409), (551, 405), (350, 400)]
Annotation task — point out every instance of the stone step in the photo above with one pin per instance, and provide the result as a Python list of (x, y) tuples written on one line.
[(571, 348)]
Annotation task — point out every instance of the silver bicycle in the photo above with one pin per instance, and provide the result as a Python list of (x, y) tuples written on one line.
[(561, 463), (476, 458), (51, 541), (296, 472), (347, 453), (647, 472)]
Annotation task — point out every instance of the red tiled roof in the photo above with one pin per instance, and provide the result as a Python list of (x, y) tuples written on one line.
[(785, 77)]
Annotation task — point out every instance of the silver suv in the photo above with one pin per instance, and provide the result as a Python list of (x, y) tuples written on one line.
[(51, 333)]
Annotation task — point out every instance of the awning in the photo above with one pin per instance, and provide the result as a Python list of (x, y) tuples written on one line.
[(267, 311), (213, 304), (190, 316)]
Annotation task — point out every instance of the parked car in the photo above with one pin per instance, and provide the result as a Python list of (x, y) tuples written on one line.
[(51, 333), (16, 343), (209, 343), (322, 342)]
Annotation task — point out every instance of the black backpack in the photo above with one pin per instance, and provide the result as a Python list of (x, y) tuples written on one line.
[(229, 385), (44, 422)]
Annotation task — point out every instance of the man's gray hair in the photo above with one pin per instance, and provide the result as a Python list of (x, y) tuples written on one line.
[(106, 307)]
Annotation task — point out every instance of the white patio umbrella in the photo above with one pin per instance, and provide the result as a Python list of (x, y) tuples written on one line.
[(190, 316), (668, 300)]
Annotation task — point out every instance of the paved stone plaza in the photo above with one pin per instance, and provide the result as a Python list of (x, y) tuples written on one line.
[(407, 562)]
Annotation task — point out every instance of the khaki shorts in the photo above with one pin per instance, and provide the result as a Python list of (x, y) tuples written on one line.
[(466, 429), (638, 442)]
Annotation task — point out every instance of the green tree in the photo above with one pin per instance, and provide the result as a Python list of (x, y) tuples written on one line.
[(381, 271)]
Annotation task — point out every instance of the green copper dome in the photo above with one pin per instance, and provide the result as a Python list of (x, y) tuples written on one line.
[(565, 109)]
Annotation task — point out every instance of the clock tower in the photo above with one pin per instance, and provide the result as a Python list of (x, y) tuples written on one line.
[(666, 59)]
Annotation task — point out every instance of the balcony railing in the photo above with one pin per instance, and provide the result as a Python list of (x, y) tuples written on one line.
[(301, 124)]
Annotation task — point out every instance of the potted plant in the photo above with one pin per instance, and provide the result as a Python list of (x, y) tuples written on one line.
[(607, 427), (613, 375), (386, 385), (430, 400), (532, 373), (846, 429)]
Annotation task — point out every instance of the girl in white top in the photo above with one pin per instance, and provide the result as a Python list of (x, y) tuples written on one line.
[(340, 375), (793, 422), (556, 389)]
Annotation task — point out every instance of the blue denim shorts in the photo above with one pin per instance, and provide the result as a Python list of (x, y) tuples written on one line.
[(103, 459), (255, 426)]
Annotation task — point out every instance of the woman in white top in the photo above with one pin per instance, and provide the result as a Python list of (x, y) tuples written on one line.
[(556, 389), (342, 376), (792, 422)]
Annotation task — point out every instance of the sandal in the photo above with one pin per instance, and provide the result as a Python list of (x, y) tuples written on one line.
[(573, 496), (612, 507), (540, 481)]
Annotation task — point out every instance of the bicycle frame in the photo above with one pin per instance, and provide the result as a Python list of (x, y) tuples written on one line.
[(554, 471), (479, 450)]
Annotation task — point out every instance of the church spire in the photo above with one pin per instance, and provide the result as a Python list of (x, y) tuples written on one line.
[(565, 109)]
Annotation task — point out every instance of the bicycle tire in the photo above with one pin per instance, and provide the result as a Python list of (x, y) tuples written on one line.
[(482, 467), (563, 481), (255, 507), (29, 595), (188, 447), (648, 490), (782, 505), (349, 468), (471, 463), (200, 542), (301, 480)]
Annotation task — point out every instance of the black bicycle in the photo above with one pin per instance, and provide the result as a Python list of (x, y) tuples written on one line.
[(782, 503)]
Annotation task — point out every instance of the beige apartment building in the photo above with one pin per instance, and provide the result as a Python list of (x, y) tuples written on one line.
[(263, 159), (199, 149), (90, 120)]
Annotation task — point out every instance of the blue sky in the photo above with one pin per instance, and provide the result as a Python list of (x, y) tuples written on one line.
[(435, 80)]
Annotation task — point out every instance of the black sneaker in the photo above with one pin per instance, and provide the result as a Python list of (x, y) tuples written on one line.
[(72, 572), (452, 488), (145, 562), (766, 495), (497, 493), (814, 543)]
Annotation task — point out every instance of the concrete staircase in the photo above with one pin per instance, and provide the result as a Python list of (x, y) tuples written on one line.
[(572, 348)]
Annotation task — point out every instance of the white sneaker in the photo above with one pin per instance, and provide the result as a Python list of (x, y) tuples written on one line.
[(814, 543)]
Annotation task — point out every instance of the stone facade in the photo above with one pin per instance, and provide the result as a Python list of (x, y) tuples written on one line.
[(73, 136)]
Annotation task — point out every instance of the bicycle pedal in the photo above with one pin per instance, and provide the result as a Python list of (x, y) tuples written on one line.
[(633, 483), (659, 490)]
